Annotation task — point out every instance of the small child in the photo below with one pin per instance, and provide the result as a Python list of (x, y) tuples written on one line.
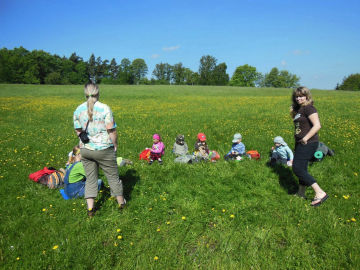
[(281, 153), (237, 149), (180, 149), (157, 150), (201, 152), (201, 141)]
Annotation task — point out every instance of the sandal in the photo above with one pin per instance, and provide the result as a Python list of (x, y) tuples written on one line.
[(320, 200)]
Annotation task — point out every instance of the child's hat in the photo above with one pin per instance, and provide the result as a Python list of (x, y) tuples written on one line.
[(280, 140), (180, 138), (156, 136), (237, 137), (201, 137)]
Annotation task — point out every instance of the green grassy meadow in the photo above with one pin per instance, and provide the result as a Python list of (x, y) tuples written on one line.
[(222, 215)]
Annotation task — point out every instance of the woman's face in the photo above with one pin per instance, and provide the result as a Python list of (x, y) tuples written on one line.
[(301, 99)]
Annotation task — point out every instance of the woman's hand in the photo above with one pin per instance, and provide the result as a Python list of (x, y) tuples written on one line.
[(303, 141)]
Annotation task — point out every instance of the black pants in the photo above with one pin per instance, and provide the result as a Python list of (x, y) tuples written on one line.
[(303, 154)]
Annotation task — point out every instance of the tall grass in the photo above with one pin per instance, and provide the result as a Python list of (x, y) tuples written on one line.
[(209, 216)]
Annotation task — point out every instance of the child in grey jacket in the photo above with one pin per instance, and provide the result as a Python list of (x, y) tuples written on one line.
[(180, 149), (281, 153)]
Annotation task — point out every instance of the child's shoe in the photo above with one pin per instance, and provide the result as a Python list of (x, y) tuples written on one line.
[(151, 161), (160, 161)]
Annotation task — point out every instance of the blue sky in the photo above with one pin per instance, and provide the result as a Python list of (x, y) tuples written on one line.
[(318, 40)]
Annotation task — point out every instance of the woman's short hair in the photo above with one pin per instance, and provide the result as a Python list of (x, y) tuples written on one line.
[(92, 94)]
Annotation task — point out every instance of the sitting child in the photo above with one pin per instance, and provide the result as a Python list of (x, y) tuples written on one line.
[(157, 150), (201, 152), (180, 149), (75, 177), (281, 153), (237, 149), (201, 141)]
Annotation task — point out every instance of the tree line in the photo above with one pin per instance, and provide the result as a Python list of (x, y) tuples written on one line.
[(39, 67)]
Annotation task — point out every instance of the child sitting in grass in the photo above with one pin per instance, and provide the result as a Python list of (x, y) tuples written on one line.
[(201, 152), (157, 150), (180, 149), (75, 177), (281, 153), (237, 149)]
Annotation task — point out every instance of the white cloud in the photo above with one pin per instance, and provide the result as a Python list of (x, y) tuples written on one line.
[(283, 63), (154, 56), (300, 52), (171, 48)]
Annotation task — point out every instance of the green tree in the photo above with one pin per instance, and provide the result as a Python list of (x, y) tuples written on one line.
[(163, 73), (178, 75), (206, 69), (113, 69), (91, 66), (139, 69), (246, 76), (220, 77), (125, 74), (281, 78), (352, 83)]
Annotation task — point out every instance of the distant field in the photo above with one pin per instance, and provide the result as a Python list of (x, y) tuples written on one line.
[(202, 216)]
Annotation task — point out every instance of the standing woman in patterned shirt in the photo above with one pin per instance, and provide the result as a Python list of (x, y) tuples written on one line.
[(307, 125), (97, 120)]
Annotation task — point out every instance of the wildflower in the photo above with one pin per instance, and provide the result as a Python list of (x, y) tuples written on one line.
[(115, 244), (150, 209), (18, 258), (346, 197), (119, 237), (355, 173), (168, 222), (223, 210), (131, 243), (183, 217), (43, 252), (158, 229), (44, 209), (353, 219), (118, 230), (156, 258), (55, 247), (232, 216), (213, 209)]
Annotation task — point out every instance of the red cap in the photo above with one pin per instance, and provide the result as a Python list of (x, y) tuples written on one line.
[(201, 137)]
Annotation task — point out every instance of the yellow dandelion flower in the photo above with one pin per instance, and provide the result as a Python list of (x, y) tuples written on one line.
[(115, 244), (183, 218), (355, 173), (18, 258), (158, 229), (353, 219), (44, 209), (223, 210), (213, 209), (232, 216), (150, 209), (168, 222), (119, 237), (346, 197), (44, 252), (131, 243), (156, 258), (55, 247), (118, 230)]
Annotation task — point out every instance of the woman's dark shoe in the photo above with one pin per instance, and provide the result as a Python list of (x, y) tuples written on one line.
[(91, 213)]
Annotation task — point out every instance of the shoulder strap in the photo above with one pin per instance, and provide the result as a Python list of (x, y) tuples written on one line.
[(66, 178), (87, 124)]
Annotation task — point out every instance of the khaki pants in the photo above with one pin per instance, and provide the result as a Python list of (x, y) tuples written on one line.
[(106, 160)]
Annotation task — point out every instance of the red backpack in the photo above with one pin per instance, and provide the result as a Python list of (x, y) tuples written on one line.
[(145, 155), (253, 154), (37, 175)]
